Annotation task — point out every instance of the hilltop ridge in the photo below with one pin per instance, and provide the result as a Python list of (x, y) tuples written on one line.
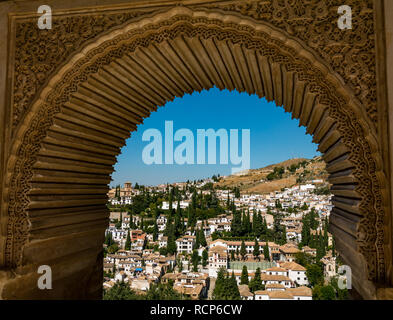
[(277, 176)]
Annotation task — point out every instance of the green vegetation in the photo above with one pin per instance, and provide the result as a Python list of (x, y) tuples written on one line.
[(330, 291), (325, 190), (226, 287), (276, 174), (256, 282), (122, 291), (244, 276)]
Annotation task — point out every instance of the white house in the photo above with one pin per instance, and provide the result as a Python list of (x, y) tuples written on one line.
[(185, 244), (296, 273), (218, 257)]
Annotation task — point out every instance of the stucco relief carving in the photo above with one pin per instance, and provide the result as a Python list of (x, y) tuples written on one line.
[(350, 53), (39, 52), (30, 76)]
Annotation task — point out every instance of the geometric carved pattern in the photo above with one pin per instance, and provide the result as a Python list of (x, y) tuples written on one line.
[(350, 53), (329, 108)]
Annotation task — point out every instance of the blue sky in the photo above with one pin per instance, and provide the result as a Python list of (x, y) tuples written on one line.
[(274, 136)]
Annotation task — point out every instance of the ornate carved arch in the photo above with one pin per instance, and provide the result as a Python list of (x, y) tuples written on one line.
[(67, 142)]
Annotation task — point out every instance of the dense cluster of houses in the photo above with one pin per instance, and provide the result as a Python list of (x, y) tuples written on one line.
[(282, 276)]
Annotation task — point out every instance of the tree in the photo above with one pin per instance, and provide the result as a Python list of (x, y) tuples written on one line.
[(303, 258), (341, 294), (236, 191), (305, 231), (171, 245), (314, 274), (246, 224), (226, 287), (118, 224), (219, 288), (155, 231), (243, 250), (236, 224), (256, 283), (195, 260), (108, 239), (170, 201), (131, 224), (202, 238), (266, 253), (244, 276), (233, 290), (205, 257), (178, 222), (113, 248), (127, 245), (197, 241), (163, 292), (256, 249), (321, 292)]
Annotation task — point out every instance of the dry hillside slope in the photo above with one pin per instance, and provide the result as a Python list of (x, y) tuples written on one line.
[(271, 178)]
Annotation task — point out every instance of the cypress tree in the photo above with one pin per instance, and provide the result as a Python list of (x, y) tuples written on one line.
[(256, 283), (244, 276), (171, 246), (195, 260), (155, 231), (170, 202), (233, 292), (243, 250), (203, 238), (266, 252), (178, 224), (205, 257), (219, 288), (127, 245), (256, 249), (197, 240), (254, 223), (131, 224), (236, 224)]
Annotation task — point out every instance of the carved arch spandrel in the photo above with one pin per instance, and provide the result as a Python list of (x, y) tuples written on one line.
[(237, 53)]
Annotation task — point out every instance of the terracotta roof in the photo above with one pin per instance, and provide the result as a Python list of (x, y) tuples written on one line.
[(274, 286), (289, 249), (273, 277), (279, 294), (277, 269), (261, 292), (301, 291), (245, 291), (218, 249), (293, 266)]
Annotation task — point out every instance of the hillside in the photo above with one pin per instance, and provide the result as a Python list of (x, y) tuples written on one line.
[(277, 176)]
